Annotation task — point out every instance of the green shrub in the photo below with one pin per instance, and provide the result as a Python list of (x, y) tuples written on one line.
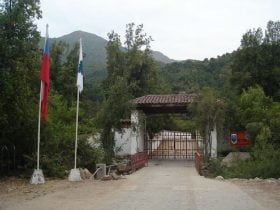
[(264, 161), (265, 168), (58, 141), (214, 168)]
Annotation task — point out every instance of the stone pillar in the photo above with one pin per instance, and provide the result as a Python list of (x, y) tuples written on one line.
[(214, 142), (198, 139), (135, 131), (137, 134)]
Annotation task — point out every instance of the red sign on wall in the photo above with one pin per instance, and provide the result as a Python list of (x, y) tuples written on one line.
[(239, 139)]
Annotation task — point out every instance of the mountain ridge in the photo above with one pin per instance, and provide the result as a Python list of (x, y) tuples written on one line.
[(94, 48), (158, 56)]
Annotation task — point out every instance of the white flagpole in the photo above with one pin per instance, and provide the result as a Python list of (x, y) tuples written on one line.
[(39, 127), (39, 115), (38, 176), (77, 118), (75, 173)]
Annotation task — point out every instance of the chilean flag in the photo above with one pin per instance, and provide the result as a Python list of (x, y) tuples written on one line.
[(45, 78)]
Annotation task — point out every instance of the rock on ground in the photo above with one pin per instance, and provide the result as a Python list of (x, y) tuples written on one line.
[(85, 173), (233, 156), (219, 178)]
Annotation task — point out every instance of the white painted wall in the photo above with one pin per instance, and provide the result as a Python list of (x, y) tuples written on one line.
[(122, 142), (131, 140), (141, 137)]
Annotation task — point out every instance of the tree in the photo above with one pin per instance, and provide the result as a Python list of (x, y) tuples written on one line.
[(19, 67), (131, 73), (252, 38), (134, 62), (57, 139), (256, 111), (56, 57), (257, 61), (66, 76), (141, 69), (208, 112), (117, 106), (19, 94), (272, 33), (192, 75)]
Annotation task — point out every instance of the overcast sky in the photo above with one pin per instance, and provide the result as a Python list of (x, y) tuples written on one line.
[(181, 29)]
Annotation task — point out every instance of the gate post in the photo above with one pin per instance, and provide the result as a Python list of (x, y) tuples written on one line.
[(137, 135), (214, 142)]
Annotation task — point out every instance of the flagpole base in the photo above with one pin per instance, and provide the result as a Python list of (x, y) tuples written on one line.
[(75, 175), (37, 177)]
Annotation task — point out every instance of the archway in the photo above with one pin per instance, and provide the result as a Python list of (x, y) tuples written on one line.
[(165, 144)]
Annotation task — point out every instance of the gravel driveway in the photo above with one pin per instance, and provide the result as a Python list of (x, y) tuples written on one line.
[(162, 185)]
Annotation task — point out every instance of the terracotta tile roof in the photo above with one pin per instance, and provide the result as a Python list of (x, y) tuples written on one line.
[(165, 99)]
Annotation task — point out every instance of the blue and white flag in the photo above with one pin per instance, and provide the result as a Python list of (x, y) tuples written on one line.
[(80, 76)]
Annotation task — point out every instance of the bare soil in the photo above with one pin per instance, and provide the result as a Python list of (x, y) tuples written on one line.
[(162, 185), (264, 191)]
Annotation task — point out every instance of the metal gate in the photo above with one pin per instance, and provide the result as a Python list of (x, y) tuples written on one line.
[(173, 145)]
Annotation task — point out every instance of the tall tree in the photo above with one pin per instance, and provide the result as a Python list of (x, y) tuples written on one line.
[(272, 33), (56, 56), (66, 77), (257, 61), (141, 68), (18, 72), (208, 112), (131, 73), (133, 61), (257, 111)]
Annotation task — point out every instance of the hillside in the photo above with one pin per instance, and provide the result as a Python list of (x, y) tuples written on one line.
[(94, 48), (190, 75), (187, 75), (158, 56)]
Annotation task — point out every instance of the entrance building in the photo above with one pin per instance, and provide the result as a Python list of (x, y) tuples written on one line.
[(165, 144)]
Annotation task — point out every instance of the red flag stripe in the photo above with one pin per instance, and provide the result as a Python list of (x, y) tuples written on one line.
[(45, 78)]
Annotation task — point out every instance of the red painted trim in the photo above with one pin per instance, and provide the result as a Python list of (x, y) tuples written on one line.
[(197, 161), (138, 160)]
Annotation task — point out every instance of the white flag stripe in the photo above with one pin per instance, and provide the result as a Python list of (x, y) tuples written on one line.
[(80, 82)]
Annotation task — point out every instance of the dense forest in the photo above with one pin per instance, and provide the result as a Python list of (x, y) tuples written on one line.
[(238, 90)]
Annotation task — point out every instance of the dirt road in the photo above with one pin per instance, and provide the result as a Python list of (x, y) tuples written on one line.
[(162, 185)]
